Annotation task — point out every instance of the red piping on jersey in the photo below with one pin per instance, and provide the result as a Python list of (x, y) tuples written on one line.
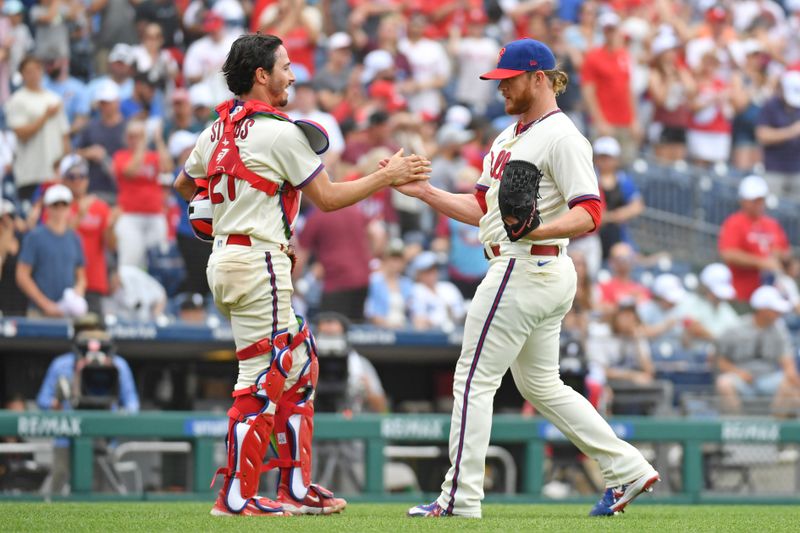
[(525, 127), (582, 198), (592, 206), (310, 177)]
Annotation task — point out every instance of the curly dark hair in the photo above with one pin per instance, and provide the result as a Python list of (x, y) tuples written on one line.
[(248, 53)]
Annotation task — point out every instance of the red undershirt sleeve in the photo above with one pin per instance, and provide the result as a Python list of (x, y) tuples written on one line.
[(480, 195), (593, 207)]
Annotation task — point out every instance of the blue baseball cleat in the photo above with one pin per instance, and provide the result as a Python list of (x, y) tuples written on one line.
[(615, 499), (428, 510)]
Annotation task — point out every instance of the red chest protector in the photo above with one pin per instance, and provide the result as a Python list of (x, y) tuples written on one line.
[(225, 160)]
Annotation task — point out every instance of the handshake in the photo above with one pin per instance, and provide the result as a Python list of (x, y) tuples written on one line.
[(409, 174), (406, 169)]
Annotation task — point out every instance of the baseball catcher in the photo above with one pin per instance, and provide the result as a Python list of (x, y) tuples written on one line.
[(245, 178)]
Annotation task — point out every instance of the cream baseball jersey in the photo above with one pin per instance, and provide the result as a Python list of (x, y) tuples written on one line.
[(568, 175), (276, 150)]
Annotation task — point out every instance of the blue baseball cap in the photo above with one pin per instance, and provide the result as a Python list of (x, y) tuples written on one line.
[(524, 55)]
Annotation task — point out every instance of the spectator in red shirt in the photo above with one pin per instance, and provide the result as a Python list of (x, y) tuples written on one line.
[(521, 12), (620, 286), (298, 26), (606, 88), (136, 168), (710, 127), (94, 222), (670, 88), (259, 6), (339, 242), (751, 243), (443, 15)]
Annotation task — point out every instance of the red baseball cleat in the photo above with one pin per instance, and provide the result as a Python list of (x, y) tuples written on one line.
[(318, 500), (257, 506)]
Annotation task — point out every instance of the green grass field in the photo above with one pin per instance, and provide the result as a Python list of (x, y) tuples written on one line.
[(152, 517)]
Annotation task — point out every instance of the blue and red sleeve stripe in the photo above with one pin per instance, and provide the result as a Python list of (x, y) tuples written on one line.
[(311, 177), (591, 203)]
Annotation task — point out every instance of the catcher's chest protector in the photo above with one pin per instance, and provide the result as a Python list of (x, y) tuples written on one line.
[(226, 161)]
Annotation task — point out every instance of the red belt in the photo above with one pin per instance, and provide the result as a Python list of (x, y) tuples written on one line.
[(241, 240), (536, 249)]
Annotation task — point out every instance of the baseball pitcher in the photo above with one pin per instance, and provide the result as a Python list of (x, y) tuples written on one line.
[(537, 189)]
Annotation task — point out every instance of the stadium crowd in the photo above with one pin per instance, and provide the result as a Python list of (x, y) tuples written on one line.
[(102, 101)]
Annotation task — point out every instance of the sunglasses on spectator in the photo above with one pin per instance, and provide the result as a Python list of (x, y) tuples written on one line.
[(59, 204), (75, 175)]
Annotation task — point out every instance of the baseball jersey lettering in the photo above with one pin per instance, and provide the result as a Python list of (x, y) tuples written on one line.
[(217, 198), (242, 128), (500, 164), (231, 188)]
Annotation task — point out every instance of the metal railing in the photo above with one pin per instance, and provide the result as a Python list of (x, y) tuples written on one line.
[(686, 205)]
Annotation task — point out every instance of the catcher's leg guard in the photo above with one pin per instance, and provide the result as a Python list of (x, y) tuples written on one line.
[(294, 430), (251, 420), (249, 428)]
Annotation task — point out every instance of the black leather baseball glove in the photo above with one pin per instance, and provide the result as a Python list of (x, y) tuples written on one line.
[(518, 197)]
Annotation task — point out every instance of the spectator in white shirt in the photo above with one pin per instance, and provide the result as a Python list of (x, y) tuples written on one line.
[(474, 53), (435, 304), (153, 58), (138, 296), (205, 57), (430, 68), (708, 312), (305, 107), (37, 118), (120, 71), (662, 316)]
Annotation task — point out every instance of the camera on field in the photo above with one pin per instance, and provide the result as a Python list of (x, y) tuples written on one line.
[(333, 349), (95, 383)]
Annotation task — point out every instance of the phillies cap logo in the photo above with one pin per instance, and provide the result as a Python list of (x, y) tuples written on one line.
[(522, 55)]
